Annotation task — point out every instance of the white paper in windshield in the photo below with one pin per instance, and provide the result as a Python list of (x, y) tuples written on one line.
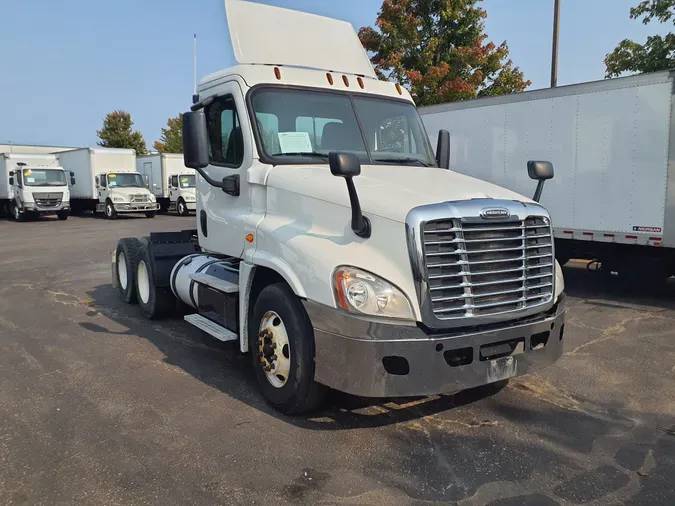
[(295, 142), (30, 180)]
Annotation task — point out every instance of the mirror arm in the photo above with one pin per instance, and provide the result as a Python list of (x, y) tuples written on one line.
[(537, 192), (210, 180), (360, 223)]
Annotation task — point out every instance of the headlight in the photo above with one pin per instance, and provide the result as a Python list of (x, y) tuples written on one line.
[(559, 281), (118, 199), (359, 291), (152, 198), (189, 199)]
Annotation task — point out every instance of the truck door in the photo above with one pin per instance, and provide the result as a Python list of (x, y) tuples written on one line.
[(224, 214)]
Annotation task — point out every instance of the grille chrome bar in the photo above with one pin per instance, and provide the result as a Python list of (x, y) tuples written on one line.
[(484, 268)]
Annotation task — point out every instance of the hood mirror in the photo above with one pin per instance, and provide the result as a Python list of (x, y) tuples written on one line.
[(347, 165), (540, 171)]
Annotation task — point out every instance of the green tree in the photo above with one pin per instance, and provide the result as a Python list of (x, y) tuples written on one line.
[(171, 140), (438, 50), (117, 133), (657, 53)]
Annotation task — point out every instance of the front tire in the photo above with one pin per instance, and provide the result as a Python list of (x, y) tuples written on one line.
[(150, 214), (110, 212), (127, 256), (155, 302), (281, 341), (181, 208), (62, 215), (16, 213)]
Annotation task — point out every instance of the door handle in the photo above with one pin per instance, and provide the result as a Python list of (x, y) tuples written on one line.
[(231, 185)]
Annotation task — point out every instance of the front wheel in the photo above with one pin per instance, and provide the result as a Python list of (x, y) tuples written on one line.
[(110, 212), (16, 213), (181, 208), (281, 341), (62, 215), (150, 214)]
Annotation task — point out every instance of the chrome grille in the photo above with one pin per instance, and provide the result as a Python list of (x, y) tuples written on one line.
[(139, 197), (48, 199), (486, 268)]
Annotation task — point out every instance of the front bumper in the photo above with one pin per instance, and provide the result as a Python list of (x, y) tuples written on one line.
[(369, 358), (135, 207), (32, 207), (191, 206)]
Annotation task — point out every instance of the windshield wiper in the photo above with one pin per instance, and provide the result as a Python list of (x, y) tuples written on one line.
[(303, 153), (405, 159)]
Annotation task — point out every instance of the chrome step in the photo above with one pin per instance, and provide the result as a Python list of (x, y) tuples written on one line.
[(212, 328), (213, 282)]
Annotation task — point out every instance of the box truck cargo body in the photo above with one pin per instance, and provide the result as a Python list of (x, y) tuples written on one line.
[(172, 183), (107, 181), (612, 144), (32, 185)]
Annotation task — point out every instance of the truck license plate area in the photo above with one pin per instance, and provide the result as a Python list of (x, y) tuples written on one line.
[(501, 369)]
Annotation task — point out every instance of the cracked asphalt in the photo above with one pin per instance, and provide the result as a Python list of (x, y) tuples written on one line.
[(98, 406)]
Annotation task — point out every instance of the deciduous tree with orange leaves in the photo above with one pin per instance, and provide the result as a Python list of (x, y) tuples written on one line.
[(439, 51)]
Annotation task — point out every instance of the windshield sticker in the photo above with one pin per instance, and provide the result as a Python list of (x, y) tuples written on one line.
[(184, 180), (27, 172), (111, 176), (295, 142)]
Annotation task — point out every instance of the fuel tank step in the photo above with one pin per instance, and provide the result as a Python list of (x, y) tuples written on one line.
[(213, 282), (212, 328)]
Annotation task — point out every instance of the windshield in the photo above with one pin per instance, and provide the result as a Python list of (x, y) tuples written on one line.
[(127, 180), (44, 177), (187, 181), (296, 125)]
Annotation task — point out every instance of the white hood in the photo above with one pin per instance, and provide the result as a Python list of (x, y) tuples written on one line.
[(127, 191), (389, 191)]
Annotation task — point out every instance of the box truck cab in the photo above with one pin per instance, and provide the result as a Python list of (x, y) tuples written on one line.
[(107, 181), (332, 244), (172, 183), (33, 185)]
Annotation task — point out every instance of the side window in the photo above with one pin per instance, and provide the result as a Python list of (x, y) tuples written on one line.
[(98, 182), (104, 183), (268, 126), (226, 142), (174, 181)]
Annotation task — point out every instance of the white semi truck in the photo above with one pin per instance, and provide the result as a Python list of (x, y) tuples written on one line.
[(107, 181), (411, 280), (33, 185), (172, 183), (612, 143)]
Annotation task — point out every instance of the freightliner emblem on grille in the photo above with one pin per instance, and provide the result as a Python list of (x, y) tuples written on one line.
[(495, 213)]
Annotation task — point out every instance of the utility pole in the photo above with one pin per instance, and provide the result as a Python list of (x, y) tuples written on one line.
[(554, 53)]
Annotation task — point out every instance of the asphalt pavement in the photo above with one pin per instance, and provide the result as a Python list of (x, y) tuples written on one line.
[(99, 406)]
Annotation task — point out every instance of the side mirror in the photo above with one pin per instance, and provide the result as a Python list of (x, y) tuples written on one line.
[(347, 165), (72, 174), (541, 171), (443, 149), (146, 180), (195, 140), (11, 180), (11, 173), (72, 180)]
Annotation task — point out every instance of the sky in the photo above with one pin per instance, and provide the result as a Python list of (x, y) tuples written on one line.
[(64, 65)]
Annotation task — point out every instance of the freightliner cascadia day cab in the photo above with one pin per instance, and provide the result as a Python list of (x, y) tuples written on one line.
[(33, 185), (107, 181), (613, 146), (331, 244), (172, 183)]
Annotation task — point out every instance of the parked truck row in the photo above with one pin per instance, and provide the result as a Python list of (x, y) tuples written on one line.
[(101, 180)]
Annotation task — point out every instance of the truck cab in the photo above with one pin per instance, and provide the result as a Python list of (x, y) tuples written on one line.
[(39, 190), (182, 193), (124, 192), (332, 243)]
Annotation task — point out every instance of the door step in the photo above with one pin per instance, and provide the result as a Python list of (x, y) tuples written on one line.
[(213, 282), (212, 328)]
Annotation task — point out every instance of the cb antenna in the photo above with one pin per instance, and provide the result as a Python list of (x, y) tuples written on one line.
[(195, 99)]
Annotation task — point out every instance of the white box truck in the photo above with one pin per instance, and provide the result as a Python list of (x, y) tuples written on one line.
[(412, 280), (33, 185), (172, 183), (106, 181), (612, 143)]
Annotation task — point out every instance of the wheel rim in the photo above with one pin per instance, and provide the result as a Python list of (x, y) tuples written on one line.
[(122, 271), (274, 349), (108, 210), (181, 208), (16, 212), (143, 282)]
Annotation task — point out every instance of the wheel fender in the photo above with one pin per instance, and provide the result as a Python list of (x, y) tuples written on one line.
[(283, 269)]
